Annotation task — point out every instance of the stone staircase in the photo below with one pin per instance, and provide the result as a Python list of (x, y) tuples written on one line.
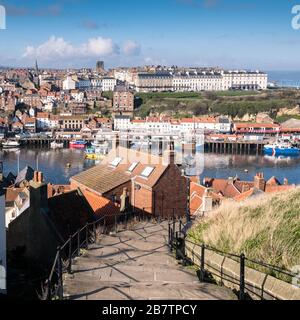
[(133, 265)]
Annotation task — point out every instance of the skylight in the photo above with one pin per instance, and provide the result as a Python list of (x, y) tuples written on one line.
[(133, 166), (116, 162), (147, 172)]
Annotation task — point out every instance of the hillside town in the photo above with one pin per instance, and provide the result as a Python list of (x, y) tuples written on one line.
[(94, 110), (78, 103)]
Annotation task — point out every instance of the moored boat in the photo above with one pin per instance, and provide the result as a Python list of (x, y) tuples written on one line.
[(56, 145), (79, 144), (11, 144), (93, 154), (281, 148)]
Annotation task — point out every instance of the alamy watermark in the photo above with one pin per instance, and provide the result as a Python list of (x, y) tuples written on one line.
[(2, 18), (296, 18)]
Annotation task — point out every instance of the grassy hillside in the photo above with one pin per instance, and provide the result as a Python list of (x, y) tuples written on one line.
[(265, 229), (231, 103)]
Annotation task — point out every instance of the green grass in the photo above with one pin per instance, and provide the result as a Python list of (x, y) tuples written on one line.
[(236, 93), (230, 103), (171, 95), (284, 118), (265, 229)]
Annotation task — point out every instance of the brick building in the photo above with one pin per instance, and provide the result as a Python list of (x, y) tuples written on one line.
[(154, 184), (123, 101)]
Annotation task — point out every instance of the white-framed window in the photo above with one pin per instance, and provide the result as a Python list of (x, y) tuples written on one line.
[(116, 162), (133, 166), (147, 172)]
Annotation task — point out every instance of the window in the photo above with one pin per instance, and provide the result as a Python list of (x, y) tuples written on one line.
[(147, 172), (116, 162), (133, 166)]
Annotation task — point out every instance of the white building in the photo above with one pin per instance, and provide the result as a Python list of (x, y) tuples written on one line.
[(69, 84), (108, 84), (193, 81), (43, 121), (78, 96), (168, 126), (244, 80), (201, 81), (96, 83), (122, 123)]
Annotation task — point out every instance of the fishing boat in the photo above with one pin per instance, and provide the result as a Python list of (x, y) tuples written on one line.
[(78, 144), (56, 145), (10, 144), (282, 148), (93, 154)]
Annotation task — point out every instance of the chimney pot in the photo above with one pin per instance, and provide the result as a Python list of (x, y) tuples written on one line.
[(40, 177), (35, 176)]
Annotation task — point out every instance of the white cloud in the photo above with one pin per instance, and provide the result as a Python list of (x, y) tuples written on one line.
[(131, 48), (99, 47), (57, 48)]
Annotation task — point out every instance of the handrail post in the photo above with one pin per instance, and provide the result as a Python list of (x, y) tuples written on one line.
[(171, 239), (49, 295), (70, 256), (176, 245), (60, 276), (242, 277), (95, 233), (78, 243), (180, 226), (202, 263), (169, 234), (87, 236), (173, 226)]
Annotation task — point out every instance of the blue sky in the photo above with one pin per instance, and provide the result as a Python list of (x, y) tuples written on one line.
[(228, 33)]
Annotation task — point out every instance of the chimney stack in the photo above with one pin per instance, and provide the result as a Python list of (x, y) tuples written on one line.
[(35, 176), (40, 177), (259, 182)]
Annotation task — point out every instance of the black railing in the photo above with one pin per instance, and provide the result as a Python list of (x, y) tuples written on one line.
[(80, 240), (177, 241)]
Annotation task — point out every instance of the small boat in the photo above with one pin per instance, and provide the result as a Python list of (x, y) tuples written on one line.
[(11, 144), (56, 145), (78, 144), (282, 148), (93, 154)]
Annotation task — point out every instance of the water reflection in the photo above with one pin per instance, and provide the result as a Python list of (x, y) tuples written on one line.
[(54, 164)]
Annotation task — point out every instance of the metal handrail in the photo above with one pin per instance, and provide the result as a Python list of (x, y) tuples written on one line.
[(173, 235), (58, 263)]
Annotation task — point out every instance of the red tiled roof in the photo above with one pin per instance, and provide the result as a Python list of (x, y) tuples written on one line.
[(12, 194), (256, 125), (100, 205)]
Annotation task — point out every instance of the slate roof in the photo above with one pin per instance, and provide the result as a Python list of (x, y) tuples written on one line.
[(25, 174), (101, 179)]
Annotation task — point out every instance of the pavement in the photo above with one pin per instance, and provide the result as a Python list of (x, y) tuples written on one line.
[(136, 265)]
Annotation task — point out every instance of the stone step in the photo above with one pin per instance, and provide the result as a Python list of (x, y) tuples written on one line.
[(136, 264), (87, 289), (158, 260), (125, 252), (144, 244), (115, 271)]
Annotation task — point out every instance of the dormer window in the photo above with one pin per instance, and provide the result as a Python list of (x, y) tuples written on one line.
[(147, 172), (116, 162), (132, 167)]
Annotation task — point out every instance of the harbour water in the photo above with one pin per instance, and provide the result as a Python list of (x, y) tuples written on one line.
[(54, 164)]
